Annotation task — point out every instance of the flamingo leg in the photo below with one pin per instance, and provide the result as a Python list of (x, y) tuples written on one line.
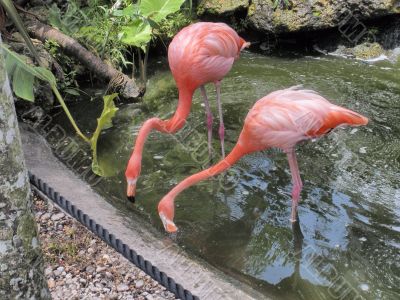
[(209, 118), (221, 130), (297, 184)]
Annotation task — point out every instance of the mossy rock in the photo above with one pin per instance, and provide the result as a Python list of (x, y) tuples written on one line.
[(220, 7), (368, 50), (302, 15)]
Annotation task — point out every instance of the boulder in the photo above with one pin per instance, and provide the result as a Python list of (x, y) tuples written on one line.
[(283, 16), (221, 7)]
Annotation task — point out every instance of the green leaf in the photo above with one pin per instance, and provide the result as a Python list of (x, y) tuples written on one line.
[(73, 92), (136, 34), (157, 10), (105, 121), (129, 11), (23, 74), (14, 60), (23, 84)]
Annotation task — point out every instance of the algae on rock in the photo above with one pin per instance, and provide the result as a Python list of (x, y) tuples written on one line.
[(20, 255)]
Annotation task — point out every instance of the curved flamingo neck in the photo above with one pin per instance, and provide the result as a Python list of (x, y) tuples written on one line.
[(237, 152), (171, 125)]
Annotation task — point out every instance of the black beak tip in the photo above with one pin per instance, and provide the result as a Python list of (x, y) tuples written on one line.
[(131, 199)]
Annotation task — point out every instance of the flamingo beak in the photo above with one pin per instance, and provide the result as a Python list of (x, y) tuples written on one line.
[(131, 191), (245, 45), (169, 226)]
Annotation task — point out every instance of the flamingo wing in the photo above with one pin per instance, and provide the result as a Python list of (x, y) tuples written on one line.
[(204, 52), (286, 117)]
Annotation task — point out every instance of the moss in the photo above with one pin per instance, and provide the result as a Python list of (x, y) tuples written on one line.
[(251, 9), (368, 50), (217, 7), (26, 230)]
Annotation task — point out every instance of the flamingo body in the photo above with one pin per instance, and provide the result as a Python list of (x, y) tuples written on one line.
[(203, 52), (279, 120), (285, 117), (200, 53)]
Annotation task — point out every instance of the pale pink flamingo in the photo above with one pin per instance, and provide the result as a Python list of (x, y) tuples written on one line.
[(279, 120), (200, 53)]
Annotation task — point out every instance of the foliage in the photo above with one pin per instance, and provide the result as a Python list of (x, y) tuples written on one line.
[(113, 32), (103, 122), (143, 18), (23, 75), (69, 21), (68, 83), (170, 26)]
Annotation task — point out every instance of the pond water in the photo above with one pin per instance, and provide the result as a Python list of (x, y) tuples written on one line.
[(347, 243)]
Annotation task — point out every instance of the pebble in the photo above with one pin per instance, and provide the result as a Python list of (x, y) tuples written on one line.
[(51, 283), (139, 284), (94, 270), (45, 217), (100, 269), (109, 275), (122, 287), (58, 216), (48, 271), (3, 267)]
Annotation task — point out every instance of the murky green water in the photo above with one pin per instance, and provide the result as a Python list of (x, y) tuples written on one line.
[(348, 241)]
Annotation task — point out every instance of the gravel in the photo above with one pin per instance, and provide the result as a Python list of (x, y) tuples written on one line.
[(79, 265)]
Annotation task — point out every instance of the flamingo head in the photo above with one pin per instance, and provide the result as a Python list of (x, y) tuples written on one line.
[(131, 174), (244, 44), (166, 211)]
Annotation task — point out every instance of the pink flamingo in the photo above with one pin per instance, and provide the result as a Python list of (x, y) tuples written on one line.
[(200, 53), (279, 120)]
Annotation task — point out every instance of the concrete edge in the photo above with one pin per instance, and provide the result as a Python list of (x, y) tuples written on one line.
[(193, 273)]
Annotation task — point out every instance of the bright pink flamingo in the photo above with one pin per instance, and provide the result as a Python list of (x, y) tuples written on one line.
[(200, 53), (279, 120)]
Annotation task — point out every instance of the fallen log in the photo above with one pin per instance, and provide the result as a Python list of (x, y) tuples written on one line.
[(117, 80)]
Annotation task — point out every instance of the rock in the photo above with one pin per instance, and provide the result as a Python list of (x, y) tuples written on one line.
[(57, 216), (113, 296), (17, 241), (106, 257), (58, 271), (82, 281), (100, 269), (109, 275), (301, 15), (45, 217), (122, 287), (90, 269), (48, 271), (139, 284), (3, 267), (218, 7), (51, 283)]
